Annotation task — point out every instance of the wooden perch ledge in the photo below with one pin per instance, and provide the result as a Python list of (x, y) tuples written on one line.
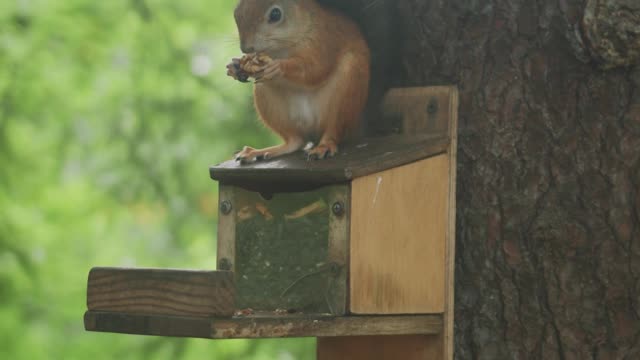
[(200, 304), (161, 292), (368, 156), (262, 326)]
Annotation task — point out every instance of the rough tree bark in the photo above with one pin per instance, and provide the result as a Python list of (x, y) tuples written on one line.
[(548, 248)]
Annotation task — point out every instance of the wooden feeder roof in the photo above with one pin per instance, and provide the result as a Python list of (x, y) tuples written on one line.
[(365, 157)]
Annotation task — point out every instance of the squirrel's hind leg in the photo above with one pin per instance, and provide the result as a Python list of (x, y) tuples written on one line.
[(345, 97)]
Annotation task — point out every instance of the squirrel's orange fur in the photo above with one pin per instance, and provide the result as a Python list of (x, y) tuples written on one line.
[(316, 85)]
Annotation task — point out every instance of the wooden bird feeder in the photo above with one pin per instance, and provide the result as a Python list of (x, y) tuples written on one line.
[(357, 250)]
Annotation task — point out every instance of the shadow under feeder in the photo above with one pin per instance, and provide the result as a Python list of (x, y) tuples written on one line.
[(357, 245)]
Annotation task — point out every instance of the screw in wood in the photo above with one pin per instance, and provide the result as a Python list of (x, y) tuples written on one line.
[(338, 208), (225, 207)]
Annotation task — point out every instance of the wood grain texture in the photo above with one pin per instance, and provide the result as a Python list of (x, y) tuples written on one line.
[(413, 347), (294, 172), (338, 250), (161, 292), (304, 326), (448, 334), (252, 327), (156, 325), (399, 222), (226, 243), (421, 109)]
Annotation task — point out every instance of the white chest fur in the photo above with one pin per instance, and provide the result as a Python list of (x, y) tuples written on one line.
[(302, 111)]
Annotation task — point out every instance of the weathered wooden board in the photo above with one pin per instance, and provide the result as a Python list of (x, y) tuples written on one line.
[(226, 241), (161, 292), (339, 248), (412, 347), (447, 335), (355, 160), (423, 110), (399, 222), (304, 326), (156, 325), (251, 327), (439, 116)]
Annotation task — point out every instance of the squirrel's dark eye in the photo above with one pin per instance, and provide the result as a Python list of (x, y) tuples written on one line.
[(275, 15)]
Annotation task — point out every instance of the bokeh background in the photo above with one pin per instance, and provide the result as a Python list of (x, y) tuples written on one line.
[(110, 114)]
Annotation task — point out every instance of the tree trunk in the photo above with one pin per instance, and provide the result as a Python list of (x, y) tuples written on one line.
[(548, 247)]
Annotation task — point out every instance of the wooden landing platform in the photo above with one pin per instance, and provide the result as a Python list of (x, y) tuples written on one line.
[(354, 160), (262, 326)]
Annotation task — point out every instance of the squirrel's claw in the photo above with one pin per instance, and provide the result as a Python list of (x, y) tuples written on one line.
[(249, 155), (322, 151), (270, 71)]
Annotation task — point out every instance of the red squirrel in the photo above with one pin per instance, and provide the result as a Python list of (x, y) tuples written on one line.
[(314, 82)]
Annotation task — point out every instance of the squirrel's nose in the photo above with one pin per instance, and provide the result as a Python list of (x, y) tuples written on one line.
[(247, 49)]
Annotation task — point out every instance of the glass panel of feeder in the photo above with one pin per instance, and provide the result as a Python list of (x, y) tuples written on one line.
[(282, 252)]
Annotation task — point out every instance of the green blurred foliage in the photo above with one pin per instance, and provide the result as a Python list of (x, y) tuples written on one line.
[(110, 114)]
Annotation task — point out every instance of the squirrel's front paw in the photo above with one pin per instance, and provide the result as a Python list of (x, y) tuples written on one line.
[(250, 155), (234, 69), (270, 71)]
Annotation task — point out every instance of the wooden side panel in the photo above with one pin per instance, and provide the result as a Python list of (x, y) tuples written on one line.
[(226, 253), (338, 251), (422, 109), (399, 223), (411, 347), (161, 292), (447, 336)]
